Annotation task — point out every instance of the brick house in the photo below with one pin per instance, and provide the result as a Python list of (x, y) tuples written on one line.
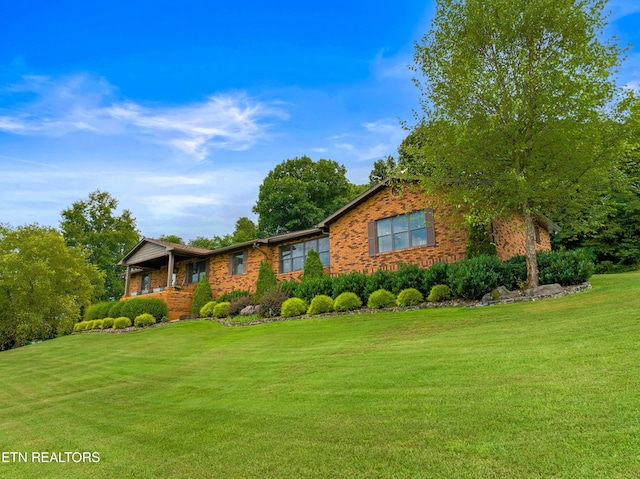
[(376, 230)]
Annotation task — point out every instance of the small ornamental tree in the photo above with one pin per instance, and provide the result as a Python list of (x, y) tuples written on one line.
[(313, 266), (266, 280), (201, 296)]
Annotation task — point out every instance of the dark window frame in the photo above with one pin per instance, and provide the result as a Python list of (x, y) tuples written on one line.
[(292, 257), (398, 232)]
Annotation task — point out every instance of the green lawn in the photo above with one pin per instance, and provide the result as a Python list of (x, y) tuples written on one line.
[(539, 389)]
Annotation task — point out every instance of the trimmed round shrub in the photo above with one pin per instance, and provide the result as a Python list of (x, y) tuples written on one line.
[(144, 320), (381, 299), (207, 310), (121, 323), (107, 323), (409, 297), (565, 267), (98, 324), (136, 306), (293, 307), (79, 326), (221, 310), (347, 301), (320, 304), (90, 324), (271, 302), (440, 292)]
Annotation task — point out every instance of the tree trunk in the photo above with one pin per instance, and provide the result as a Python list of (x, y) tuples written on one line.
[(530, 249)]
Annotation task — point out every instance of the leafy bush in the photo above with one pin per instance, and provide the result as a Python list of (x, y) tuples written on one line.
[(266, 280), (514, 272), (98, 310), (143, 320), (271, 302), (381, 299), (408, 276), (436, 274), (221, 310), (121, 322), (136, 306), (98, 324), (115, 310), (90, 324), (312, 266), (320, 304), (565, 267), (312, 287), (381, 279), (81, 326), (201, 296), (409, 297), (293, 307), (290, 287), (107, 323), (479, 241), (238, 305), (347, 301), (207, 310), (440, 292), (231, 296), (350, 283), (473, 278)]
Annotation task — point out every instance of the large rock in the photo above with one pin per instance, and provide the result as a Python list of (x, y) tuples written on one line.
[(500, 293), (249, 310), (545, 290)]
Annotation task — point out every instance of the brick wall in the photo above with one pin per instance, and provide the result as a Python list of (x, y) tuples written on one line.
[(509, 237)]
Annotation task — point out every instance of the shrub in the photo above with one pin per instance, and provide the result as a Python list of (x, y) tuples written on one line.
[(107, 323), (136, 306), (290, 287), (98, 324), (81, 326), (293, 307), (565, 267), (436, 274), (266, 280), (98, 311), (514, 272), (144, 320), (221, 310), (238, 305), (408, 276), (347, 301), (479, 241), (381, 299), (312, 287), (231, 296), (312, 266), (379, 280), (121, 322), (350, 283), (90, 324), (115, 310), (201, 296), (409, 297), (473, 278), (271, 302), (320, 304), (207, 310), (440, 292)]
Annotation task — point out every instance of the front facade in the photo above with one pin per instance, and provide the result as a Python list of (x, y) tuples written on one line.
[(380, 228)]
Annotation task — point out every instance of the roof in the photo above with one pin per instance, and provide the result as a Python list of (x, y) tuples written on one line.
[(351, 205), (149, 249)]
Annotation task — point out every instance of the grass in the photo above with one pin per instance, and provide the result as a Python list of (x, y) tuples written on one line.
[(529, 390)]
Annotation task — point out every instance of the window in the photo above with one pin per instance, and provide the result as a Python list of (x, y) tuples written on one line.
[(402, 231), (198, 270), (145, 282), (293, 256), (238, 263)]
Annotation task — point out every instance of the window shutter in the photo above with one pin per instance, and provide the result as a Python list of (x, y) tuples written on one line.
[(371, 228), (245, 260), (230, 266), (206, 267), (187, 279), (431, 230), (140, 283)]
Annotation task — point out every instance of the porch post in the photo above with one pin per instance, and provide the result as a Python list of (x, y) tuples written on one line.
[(127, 281), (170, 270)]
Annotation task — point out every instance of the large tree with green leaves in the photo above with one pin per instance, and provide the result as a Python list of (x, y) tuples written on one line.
[(43, 284), (519, 115), (298, 193), (93, 224)]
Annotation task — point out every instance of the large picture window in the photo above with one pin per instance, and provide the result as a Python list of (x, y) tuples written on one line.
[(402, 231), (293, 256)]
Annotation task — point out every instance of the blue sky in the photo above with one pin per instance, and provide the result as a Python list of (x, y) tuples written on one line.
[(180, 109)]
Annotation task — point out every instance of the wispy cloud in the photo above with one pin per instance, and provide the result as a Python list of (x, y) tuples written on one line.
[(84, 103), (373, 141)]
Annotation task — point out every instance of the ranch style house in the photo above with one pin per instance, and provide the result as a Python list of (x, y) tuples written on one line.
[(379, 228)]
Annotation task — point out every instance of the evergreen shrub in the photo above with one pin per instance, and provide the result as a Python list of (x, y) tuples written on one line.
[(136, 306), (314, 286), (320, 304), (436, 274), (381, 279), (115, 310), (98, 324), (408, 276), (350, 283), (380, 299), (312, 266), (107, 323), (409, 297), (231, 296), (475, 277), (144, 320), (221, 310), (207, 310), (293, 307), (201, 296), (440, 292), (266, 280), (566, 268), (347, 301), (121, 322)]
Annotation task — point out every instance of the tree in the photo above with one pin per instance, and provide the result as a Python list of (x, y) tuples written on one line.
[(382, 170), (44, 284), (91, 224), (246, 230), (517, 100), (298, 193), (171, 239), (213, 243)]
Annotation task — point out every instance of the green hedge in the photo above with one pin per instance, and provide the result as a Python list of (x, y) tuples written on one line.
[(136, 306), (475, 277)]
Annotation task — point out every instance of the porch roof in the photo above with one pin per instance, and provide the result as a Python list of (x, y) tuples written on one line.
[(151, 253)]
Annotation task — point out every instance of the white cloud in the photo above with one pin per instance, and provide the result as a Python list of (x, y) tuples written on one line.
[(373, 141), (76, 103)]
